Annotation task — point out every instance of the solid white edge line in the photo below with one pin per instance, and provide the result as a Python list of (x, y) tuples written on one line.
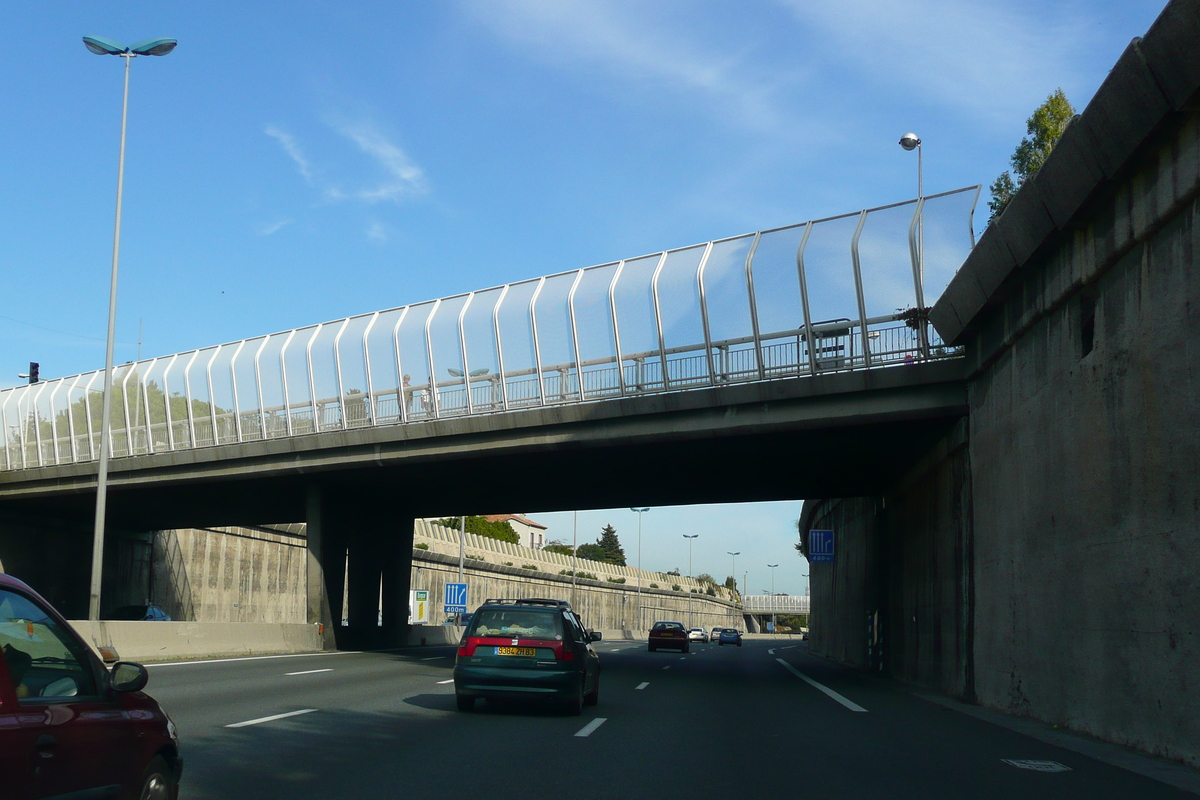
[(248, 658), (310, 671), (441, 683), (588, 729), (642, 685), (271, 718), (850, 704), (434, 658)]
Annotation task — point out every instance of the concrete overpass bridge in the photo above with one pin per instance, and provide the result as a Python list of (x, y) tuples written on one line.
[(772, 365)]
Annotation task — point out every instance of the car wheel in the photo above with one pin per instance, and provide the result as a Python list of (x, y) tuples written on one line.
[(464, 702), (158, 783), (574, 704), (593, 697)]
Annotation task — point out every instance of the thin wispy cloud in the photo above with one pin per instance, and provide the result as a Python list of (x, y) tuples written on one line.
[(290, 146), (630, 43), (980, 57), (377, 232), (271, 228), (402, 178)]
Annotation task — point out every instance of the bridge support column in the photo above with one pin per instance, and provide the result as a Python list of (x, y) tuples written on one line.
[(365, 556)]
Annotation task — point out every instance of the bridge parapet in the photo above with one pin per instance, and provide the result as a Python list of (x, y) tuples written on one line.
[(820, 296), (776, 604)]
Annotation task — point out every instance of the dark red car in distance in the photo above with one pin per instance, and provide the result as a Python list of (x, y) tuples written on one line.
[(670, 635), (68, 726)]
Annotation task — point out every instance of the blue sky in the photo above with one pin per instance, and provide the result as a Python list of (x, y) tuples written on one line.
[(298, 162)]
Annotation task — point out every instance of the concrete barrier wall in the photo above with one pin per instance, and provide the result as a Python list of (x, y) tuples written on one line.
[(602, 605), (167, 641)]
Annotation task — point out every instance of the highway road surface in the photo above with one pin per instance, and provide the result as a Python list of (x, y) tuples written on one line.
[(764, 720)]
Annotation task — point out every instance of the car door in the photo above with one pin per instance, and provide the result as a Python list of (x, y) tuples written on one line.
[(16, 757), (67, 720)]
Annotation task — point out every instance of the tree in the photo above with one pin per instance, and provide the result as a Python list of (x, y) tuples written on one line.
[(481, 527), (704, 577), (559, 546), (1045, 128), (731, 583), (592, 552), (611, 545)]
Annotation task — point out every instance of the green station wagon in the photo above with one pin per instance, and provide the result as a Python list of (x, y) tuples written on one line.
[(528, 649)]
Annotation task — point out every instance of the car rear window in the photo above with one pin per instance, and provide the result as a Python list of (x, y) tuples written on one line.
[(658, 626), (528, 623)]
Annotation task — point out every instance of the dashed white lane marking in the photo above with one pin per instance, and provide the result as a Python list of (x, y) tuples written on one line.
[(789, 647), (434, 658), (642, 685), (588, 729), (249, 658), (440, 683), (668, 666), (271, 718), (683, 658), (850, 704), (771, 652), (310, 671)]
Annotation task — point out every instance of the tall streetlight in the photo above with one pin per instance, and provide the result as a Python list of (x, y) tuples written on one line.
[(107, 47), (772, 566), (691, 613), (639, 512), (910, 142), (733, 569)]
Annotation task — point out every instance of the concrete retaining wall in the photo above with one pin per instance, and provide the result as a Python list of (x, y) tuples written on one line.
[(166, 641)]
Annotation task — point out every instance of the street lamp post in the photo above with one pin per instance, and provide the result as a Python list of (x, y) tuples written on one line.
[(910, 142), (639, 512), (772, 566), (733, 570), (107, 47), (691, 612)]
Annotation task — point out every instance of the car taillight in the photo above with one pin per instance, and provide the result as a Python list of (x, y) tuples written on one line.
[(467, 648)]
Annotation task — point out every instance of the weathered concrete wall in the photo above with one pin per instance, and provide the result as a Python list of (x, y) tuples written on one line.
[(904, 561), (1084, 451), (601, 604), (229, 575)]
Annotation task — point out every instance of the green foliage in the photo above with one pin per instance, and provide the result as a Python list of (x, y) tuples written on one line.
[(474, 558), (711, 591), (592, 552), (1045, 128), (674, 572), (676, 588), (507, 563), (580, 574), (560, 547), (611, 545), (530, 567), (481, 527), (654, 586), (421, 546), (694, 591), (731, 583), (615, 580), (704, 577)]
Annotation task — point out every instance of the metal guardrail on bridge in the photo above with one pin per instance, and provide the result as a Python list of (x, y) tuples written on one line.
[(815, 297), (775, 604)]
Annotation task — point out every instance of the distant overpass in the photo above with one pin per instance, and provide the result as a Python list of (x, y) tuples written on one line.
[(775, 604)]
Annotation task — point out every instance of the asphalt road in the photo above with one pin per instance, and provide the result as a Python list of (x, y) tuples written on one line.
[(721, 721)]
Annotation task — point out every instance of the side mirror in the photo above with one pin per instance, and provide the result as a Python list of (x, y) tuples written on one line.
[(595, 636), (129, 677)]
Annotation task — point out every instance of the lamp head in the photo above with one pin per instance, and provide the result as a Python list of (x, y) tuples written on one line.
[(104, 47), (910, 141), (154, 47)]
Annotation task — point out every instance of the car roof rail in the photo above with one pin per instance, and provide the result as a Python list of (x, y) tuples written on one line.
[(528, 601)]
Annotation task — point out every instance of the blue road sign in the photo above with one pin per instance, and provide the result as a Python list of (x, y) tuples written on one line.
[(456, 598), (820, 545)]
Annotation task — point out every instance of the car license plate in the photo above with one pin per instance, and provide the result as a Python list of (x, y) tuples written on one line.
[(516, 651)]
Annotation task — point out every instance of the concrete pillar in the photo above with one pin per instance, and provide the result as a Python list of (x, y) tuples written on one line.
[(320, 567), (365, 542)]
